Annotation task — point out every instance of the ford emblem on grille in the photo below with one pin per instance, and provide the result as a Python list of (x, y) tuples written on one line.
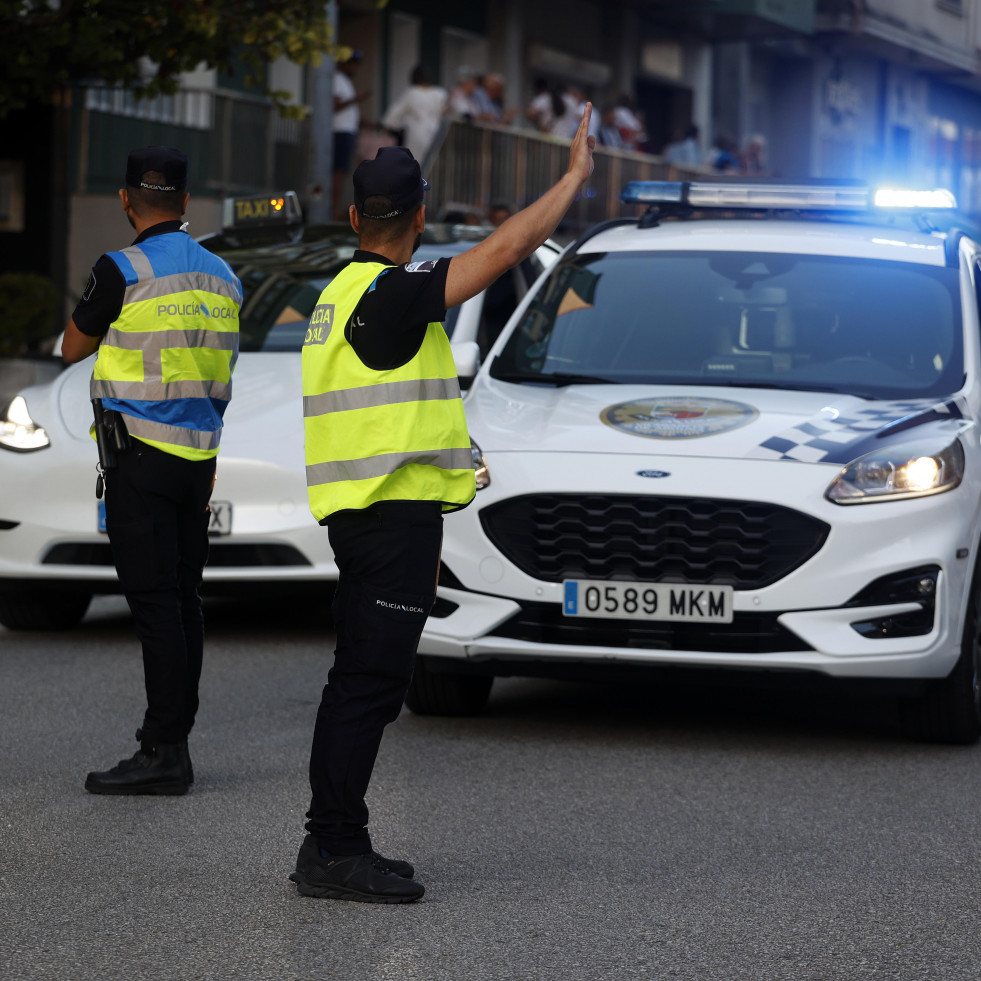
[(653, 473)]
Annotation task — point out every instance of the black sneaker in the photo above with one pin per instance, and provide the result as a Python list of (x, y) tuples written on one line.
[(155, 768), (354, 877), (310, 852)]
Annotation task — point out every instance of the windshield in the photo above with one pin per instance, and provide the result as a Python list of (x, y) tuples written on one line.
[(278, 302), (865, 327)]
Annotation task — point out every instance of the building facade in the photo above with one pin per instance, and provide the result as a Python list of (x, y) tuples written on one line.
[(873, 90)]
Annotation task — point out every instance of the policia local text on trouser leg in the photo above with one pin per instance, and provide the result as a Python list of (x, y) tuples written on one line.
[(388, 559), (157, 518)]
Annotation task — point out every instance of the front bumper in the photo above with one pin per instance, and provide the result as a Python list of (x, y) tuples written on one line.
[(486, 618), (49, 529)]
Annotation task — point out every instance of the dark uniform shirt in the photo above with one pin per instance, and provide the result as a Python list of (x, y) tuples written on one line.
[(387, 327), (102, 298)]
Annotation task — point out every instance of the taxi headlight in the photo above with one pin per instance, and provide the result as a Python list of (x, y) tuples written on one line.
[(18, 431), (479, 466), (913, 469)]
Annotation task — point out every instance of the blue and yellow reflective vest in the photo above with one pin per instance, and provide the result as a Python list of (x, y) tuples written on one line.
[(166, 362), (396, 434)]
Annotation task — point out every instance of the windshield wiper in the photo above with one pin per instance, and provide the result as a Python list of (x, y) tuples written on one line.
[(558, 379)]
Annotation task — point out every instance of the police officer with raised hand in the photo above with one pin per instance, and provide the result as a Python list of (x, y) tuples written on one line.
[(388, 453), (163, 317)]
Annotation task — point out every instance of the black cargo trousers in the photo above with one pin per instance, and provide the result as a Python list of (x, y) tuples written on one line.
[(157, 518), (388, 559)]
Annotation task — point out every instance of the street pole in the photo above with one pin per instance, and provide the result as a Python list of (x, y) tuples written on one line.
[(321, 168)]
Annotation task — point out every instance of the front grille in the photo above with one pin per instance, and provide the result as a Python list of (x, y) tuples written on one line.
[(637, 538), (749, 633), (238, 556)]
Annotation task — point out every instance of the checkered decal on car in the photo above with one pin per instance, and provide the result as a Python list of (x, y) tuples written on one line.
[(837, 438)]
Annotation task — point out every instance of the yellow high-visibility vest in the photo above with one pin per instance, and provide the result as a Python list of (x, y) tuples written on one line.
[(397, 434), (166, 362)]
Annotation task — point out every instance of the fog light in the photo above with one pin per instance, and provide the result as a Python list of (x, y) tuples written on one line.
[(912, 586)]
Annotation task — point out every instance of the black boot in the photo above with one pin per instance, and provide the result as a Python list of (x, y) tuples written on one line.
[(156, 768), (186, 760)]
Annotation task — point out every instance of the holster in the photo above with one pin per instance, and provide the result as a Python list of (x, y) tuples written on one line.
[(110, 435)]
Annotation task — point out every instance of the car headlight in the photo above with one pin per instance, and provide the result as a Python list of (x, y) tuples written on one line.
[(903, 470), (479, 466), (18, 431)]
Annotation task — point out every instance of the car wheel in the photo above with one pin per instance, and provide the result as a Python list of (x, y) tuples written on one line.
[(42, 609), (442, 693), (950, 710)]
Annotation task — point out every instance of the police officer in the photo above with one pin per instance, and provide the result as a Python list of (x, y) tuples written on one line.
[(388, 454), (163, 317)]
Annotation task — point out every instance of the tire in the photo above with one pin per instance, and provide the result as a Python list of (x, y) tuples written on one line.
[(438, 693), (42, 609), (950, 710)]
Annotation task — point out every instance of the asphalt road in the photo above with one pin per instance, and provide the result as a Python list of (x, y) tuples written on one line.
[(570, 833)]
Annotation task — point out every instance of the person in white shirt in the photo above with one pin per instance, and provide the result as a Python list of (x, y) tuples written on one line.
[(417, 113), (347, 122), (461, 104)]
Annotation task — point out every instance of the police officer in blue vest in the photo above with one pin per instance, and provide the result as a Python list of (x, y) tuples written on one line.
[(162, 318), (388, 454)]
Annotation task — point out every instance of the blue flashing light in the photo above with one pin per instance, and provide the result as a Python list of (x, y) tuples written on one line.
[(653, 192), (909, 199)]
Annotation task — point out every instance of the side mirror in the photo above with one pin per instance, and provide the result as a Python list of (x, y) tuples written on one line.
[(466, 357)]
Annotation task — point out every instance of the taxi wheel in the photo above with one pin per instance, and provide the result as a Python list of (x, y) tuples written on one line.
[(42, 609), (441, 693), (950, 710)]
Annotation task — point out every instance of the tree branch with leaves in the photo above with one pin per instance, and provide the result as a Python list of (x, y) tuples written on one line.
[(145, 45)]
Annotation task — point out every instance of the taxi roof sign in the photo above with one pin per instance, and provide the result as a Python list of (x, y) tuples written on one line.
[(261, 211)]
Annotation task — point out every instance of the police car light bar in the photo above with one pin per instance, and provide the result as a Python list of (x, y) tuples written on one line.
[(791, 197)]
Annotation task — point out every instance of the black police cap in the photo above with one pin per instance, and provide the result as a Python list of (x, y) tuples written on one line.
[(393, 174), (166, 160)]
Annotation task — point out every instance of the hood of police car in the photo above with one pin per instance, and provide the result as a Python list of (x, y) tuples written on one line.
[(693, 421)]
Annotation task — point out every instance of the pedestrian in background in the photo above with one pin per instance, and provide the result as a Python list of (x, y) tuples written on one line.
[(488, 99), (347, 122), (460, 104), (609, 133), (539, 111), (498, 213), (723, 157), (683, 151), (417, 113), (388, 453), (163, 317), (630, 124)]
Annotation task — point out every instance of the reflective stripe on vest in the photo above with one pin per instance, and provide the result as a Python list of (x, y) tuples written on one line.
[(377, 435), (167, 360)]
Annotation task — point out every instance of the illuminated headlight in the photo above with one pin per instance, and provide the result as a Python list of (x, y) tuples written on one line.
[(479, 466), (913, 469), (18, 431)]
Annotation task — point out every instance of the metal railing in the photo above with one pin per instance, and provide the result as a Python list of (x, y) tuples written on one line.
[(239, 144), (236, 143), (480, 164)]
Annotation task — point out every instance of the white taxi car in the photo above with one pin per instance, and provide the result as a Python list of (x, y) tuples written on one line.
[(54, 553), (738, 432)]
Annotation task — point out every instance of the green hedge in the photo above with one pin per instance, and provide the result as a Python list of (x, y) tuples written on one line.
[(28, 303)]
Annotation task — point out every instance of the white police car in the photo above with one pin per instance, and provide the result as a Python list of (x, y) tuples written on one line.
[(745, 437), (54, 553)]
